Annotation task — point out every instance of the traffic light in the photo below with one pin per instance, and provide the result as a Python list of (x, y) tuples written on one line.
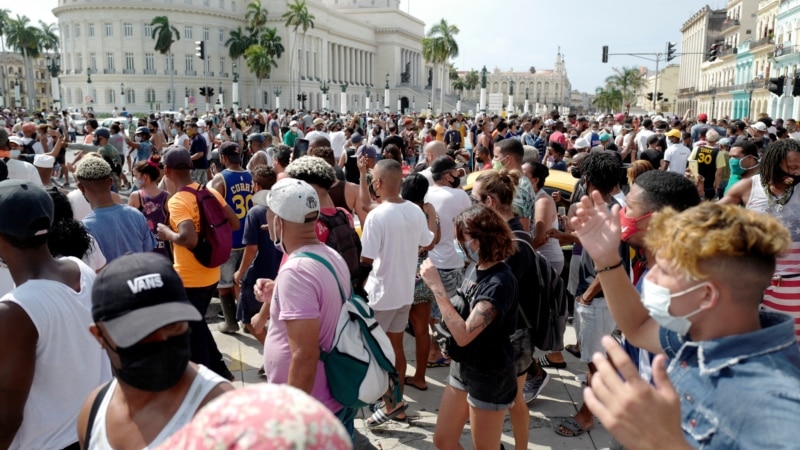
[(202, 91), (210, 91), (712, 53), (200, 49), (605, 53), (796, 86), (671, 51), (776, 85), (305, 97), (299, 97), (660, 96), (650, 96)]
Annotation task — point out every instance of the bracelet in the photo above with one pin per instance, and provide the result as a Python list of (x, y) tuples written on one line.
[(606, 269)]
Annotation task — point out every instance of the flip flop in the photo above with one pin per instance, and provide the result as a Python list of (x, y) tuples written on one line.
[(544, 362), (419, 388), (379, 417), (443, 362), (572, 426), (573, 350)]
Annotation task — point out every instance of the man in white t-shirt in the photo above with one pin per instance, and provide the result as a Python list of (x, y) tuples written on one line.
[(677, 154), (643, 135), (432, 151), (17, 169), (43, 327), (393, 233), (338, 139)]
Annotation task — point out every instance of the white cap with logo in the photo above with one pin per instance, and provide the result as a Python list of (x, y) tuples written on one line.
[(293, 200)]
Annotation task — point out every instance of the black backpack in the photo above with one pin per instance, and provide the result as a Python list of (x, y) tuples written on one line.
[(344, 239)]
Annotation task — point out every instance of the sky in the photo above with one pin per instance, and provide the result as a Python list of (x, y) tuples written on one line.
[(518, 34)]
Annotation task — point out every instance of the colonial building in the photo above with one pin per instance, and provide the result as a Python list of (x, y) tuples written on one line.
[(754, 64), (352, 49), (697, 35), (787, 58), (667, 86), (14, 91)]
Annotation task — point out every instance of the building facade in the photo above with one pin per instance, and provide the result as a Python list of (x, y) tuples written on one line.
[(667, 86), (352, 49), (697, 35), (14, 91), (786, 58)]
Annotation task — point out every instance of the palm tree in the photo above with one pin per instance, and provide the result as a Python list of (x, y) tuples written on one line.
[(445, 47), (166, 35), (429, 54), (608, 98), (298, 17), (271, 41), (628, 80), (48, 38), (256, 16), (471, 80), (259, 62), (4, 18), (24, 38)]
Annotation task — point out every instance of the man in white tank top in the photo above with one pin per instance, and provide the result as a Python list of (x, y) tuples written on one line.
[(141, 316), (49, 360)]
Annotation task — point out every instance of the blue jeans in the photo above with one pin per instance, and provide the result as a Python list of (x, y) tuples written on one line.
[(348, 416)]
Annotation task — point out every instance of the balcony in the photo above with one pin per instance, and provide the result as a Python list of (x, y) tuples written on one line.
[(685, 91), (223, 74), (763, 41), (149, 71), (78, 71), (129, 71), (729, 25), (726, 50), (786, 49), (209, 74), (109, 71)]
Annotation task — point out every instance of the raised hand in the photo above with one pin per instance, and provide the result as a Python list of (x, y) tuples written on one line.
[(598, 228)]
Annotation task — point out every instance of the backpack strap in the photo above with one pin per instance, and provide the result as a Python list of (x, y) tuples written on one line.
[(525, 237), (328, 265), (93, 413)]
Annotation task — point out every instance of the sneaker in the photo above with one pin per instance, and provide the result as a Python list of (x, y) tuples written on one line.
[(228, 329), (534, 385)]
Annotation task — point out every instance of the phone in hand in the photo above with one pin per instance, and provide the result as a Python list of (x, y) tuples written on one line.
[(300, 148)]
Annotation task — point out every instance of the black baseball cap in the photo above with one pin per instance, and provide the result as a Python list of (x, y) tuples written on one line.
[(137, 294), (28, 207)]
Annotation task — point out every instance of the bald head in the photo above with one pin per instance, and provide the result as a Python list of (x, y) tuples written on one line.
[(433, 150), (390, 174), (320, 141)]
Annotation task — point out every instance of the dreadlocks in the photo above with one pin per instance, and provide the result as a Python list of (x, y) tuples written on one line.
[(773, 156)]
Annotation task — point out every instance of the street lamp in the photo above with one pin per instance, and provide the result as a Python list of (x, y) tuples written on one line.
[(387, 80), (89, 98), (235, 89), (235, 74), (751, 86), (324, 87), (54, 66), (122, 94), (386, 95), (368, 99), (277, 91), (17, 96)]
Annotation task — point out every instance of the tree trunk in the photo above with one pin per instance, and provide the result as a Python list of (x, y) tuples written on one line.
[(172, 79), (441, 89), (433, 86), (271, 92), (291, 70), (300, 64)]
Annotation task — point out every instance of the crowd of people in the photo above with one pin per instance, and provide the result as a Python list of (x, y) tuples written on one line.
[(679, 239)]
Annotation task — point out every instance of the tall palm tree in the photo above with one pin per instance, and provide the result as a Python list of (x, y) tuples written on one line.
[(5, 16), (48, 38), (165, 35), (256, 16), (628, 80), (259, 62), (445, 47), (471, 80), (271, 41), (429, 54), (24, 38), (298, 17), (608, 98)]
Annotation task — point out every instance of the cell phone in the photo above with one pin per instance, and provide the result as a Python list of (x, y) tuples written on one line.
[(695, 171), (300, 148)]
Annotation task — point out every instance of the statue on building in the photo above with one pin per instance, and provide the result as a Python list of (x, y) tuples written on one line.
[(406, 75)]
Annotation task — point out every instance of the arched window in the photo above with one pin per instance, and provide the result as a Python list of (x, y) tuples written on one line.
[(130, 96), (111, 96), (150, 95)]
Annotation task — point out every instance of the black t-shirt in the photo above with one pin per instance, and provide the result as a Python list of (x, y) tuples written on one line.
[(452, 136), (396, 140), (653, 156), (491, 350)]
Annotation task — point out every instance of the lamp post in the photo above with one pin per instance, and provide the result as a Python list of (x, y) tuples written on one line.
[(277, 91), (54, 67), (89, 98), (2, 98), (17, 97), (343, 101), (324, 87), (235, 89), (386, 95), (527, 102), (483, 90), (186, 98), (220, 97), (751, 86), (510, 108), (367, 100), (122, 94)]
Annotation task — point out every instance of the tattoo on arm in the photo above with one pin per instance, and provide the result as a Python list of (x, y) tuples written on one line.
[(481, 316)]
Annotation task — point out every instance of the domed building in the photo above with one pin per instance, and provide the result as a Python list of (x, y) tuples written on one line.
[(108, 55)]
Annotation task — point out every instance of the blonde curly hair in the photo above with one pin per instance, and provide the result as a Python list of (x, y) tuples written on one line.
[(711, 239)]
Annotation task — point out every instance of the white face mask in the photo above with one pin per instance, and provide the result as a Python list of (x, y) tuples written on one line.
[(15, 154), (657, 300)]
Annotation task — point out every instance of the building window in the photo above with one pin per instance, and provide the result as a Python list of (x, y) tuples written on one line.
[(190, 63), (233, 6), (93, 61), (148, 31), (170, 63), (169, 95), (129, 61), (222, 65), (110, 61), (130, 96), (128, 29), (91, 30), (207, 65), (187, 32), (109, 29), (149, 61), (206, 34), (111, 96), (150, 95), (222, 4), (221, 36), (77, 31), (79, 62)]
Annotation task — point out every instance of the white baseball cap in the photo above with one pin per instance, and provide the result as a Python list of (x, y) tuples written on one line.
[(44, 161), (201, 123), (582, 143), (760, 126), (293, 200)]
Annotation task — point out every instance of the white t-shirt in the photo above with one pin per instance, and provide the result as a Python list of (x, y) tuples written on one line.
[(393, 233), (317, 134), (337, 144), (69, 363), (22, 170), (80, 206), (677, 155), (641, 139), (208, 144), (183, 141), (448, 203)]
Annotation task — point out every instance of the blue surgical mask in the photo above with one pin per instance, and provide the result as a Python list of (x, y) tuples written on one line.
[(657, 299), (138, 182), (470, 254)]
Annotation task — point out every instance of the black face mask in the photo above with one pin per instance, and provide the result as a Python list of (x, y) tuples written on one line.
[(786, 178), (575, 172), (154, 366), (456, 182)]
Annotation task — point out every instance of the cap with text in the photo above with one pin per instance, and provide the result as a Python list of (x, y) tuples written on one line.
[(293, 200)]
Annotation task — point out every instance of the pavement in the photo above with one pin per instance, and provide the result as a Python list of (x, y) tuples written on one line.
[(559, 399)]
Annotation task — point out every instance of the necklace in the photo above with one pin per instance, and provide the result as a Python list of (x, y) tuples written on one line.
[(778, 200)]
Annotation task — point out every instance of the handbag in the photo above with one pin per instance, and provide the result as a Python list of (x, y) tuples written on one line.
[(523, 345)]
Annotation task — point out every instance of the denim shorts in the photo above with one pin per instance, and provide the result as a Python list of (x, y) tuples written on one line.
[(595, 322), (452, 280), (227, 270), (494, 390)]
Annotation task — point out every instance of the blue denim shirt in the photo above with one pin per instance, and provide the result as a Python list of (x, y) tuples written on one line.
[(739, 391)]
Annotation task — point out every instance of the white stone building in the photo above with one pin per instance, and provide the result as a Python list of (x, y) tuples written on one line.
[(357, 44)]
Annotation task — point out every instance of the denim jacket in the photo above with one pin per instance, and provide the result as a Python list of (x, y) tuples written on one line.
[(740, 391)]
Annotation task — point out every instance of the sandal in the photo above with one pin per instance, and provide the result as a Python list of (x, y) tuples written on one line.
[(571, 428), (441, 362), (574, 350), (379, 417), (544, 362), (415, 386)]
